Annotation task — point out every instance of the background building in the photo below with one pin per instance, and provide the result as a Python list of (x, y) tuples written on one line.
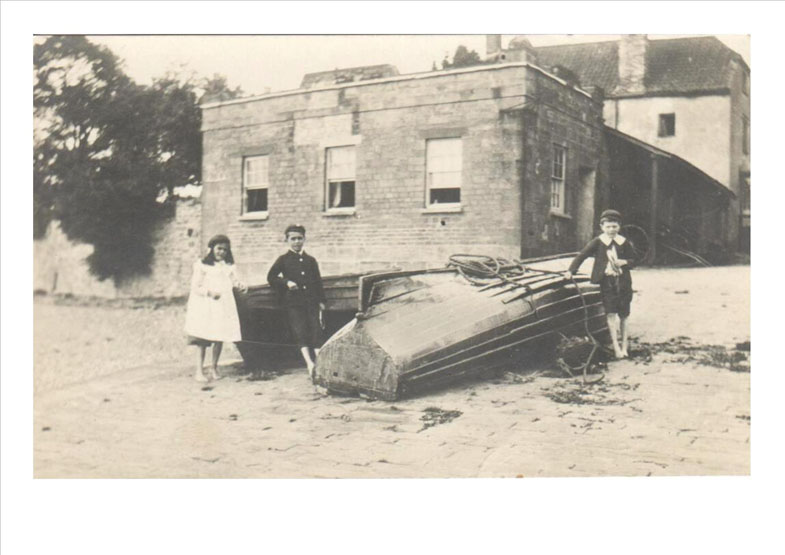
[(405, 170), (687, 96)]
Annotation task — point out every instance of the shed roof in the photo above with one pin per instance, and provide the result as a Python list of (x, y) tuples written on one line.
[(706, 179)]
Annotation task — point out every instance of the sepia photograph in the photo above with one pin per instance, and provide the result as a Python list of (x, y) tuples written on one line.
[(446, 269), (321, 279)]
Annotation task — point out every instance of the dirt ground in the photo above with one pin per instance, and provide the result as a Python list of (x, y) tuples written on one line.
[(114, 398)]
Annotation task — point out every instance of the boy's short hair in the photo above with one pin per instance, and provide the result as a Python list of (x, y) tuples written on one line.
[(294, 228), (610, 216)]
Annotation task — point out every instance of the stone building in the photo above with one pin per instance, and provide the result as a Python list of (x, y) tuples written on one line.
[(687, 96), (389, 170)]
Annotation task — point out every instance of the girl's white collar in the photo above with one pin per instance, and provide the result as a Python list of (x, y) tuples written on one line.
[(606, 240)]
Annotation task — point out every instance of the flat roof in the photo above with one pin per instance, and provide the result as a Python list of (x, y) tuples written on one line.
[(397, 78)]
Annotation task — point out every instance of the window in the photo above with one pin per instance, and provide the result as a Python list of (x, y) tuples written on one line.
[(745, 134), (667, 125), (746, 198), (558, 170), (341, 168), (255, 183), (443, 168)]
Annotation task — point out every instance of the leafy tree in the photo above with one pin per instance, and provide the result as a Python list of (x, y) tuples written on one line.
[(463, 57), (106, 148)]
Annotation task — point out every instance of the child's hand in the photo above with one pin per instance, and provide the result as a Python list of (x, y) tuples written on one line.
[(621, 263), (568, 274), (241, 287), (291, 285), (213, 295), (322, 306)]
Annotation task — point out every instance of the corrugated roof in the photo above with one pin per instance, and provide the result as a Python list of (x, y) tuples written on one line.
[(679, 66)]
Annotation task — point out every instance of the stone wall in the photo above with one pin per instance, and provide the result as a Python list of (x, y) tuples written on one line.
[(561, 116), (177, 245), (60, 264)]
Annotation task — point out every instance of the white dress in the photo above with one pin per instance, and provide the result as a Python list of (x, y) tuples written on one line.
[(208, 318)]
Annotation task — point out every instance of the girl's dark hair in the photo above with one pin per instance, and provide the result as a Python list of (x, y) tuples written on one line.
[(218, 240)]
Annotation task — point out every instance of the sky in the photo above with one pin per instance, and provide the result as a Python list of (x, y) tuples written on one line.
[(265, 63)]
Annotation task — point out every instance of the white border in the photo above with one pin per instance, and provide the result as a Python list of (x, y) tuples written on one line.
[(703, 515)]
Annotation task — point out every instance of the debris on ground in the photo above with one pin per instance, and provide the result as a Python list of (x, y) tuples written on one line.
[(435, 415), (718, 356), (743, 346), (576, 393)]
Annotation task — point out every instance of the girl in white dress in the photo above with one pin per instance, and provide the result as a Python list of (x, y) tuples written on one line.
[(211, 317)]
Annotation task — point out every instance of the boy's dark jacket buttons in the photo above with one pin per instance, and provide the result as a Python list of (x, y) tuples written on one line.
[(303, 270)]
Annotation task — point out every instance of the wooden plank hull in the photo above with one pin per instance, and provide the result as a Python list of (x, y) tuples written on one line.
[(265, 329), (423, 330)]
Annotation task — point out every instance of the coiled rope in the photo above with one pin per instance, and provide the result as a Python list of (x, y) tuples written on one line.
[(478, 269)]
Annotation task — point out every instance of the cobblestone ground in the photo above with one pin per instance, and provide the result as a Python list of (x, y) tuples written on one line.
[(125, 406)]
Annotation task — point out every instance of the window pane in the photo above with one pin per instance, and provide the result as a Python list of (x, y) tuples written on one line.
[(667, 126), (256, 171), (443, 196), (444, 165), (341, 163), (557, 194), (745, 138), (341, 194), (256, 200), (559, 158), (445, 180), (444, 155), (445, 148)]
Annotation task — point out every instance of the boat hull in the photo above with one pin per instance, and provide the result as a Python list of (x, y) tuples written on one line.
[(264, 326), (424, 330)]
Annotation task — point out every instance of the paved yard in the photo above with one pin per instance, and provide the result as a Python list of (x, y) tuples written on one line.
[(114, 397)]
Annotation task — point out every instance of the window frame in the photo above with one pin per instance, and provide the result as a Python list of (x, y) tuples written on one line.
[(559, 159), (745, 134), (443, 206), (246, 160), (663, 127), (329, 179)]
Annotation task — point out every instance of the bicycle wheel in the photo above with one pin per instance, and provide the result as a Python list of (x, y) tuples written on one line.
[(639, 241)]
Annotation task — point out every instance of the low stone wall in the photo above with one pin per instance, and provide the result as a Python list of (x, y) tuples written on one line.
[(60, 265)]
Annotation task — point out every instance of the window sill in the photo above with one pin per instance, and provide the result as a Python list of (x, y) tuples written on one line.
[(562, 215), (338, 212), (254, 216), (443, 209)]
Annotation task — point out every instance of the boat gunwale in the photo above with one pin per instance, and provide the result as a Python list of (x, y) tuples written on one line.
[(501, 335)]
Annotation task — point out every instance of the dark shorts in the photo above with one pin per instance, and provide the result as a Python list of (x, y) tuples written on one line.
[(304, 323), (616, 294)]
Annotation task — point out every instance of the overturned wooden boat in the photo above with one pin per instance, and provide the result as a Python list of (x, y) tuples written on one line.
[(419, 330), (265, 331)]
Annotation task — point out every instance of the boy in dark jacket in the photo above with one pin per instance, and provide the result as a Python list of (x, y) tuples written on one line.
[(295, 275), (613, 260)]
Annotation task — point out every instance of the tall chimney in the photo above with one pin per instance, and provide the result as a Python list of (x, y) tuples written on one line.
[(521, 50), (632, 64), (493, 44)]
